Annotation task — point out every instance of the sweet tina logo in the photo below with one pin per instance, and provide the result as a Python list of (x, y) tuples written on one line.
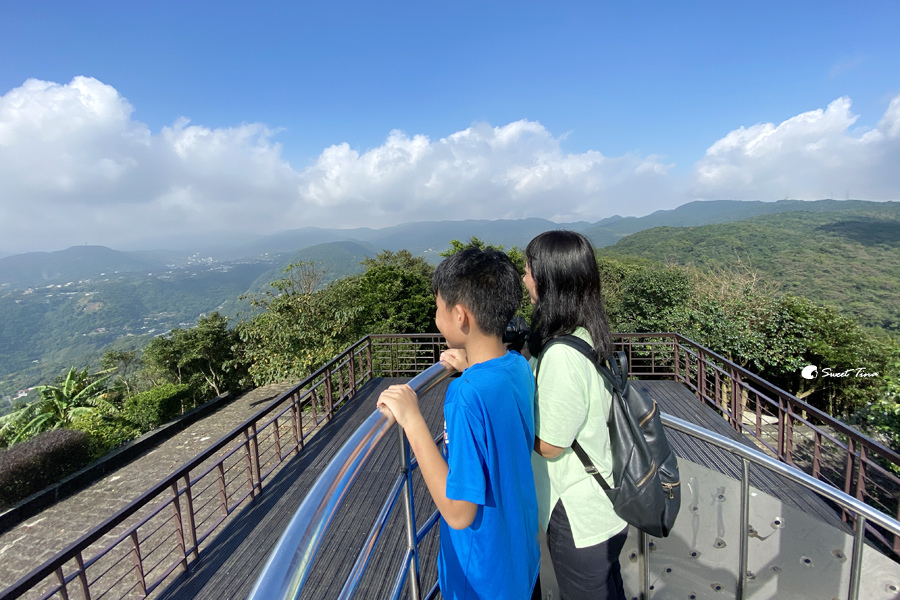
[(812, 372)]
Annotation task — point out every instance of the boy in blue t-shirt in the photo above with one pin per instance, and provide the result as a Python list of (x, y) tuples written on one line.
[(484, 490)]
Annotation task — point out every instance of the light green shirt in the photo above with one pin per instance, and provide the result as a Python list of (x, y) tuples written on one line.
[(572, 401)]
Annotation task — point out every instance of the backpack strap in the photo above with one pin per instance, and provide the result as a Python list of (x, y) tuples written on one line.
[(589, 467), (612, 374)]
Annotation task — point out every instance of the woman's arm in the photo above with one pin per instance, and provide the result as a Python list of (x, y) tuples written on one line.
[(546, 450)]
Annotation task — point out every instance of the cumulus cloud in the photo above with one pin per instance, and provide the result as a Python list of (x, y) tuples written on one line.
[(816, 154), (76, 168), (514, 171)]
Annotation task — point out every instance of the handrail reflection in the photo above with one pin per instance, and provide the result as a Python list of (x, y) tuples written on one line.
[(289, 564)]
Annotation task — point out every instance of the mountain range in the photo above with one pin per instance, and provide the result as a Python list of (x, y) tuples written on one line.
[(422, 238), (59, 309)]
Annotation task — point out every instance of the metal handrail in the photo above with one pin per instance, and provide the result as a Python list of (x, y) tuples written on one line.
[(870, 467), (289, 563), (747, 454), (664, 355)]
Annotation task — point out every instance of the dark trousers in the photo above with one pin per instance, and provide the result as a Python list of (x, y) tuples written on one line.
[(584, 573)]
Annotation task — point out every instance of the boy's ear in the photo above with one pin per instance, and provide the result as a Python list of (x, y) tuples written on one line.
[(460, 314), (463, 317)]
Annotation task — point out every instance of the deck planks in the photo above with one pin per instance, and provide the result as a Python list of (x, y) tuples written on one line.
[(229, 566)]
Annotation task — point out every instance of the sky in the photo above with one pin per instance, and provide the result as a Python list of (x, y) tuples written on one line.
[(123, 124)]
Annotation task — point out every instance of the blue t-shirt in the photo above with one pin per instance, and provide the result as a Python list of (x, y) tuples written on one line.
[(489, 427)]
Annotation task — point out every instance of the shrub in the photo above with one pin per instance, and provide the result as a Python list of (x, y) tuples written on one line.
[(148, 410), (107, 432), (32, 465)]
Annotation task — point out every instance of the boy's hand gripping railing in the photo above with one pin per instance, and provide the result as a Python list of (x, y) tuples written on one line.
[(289, 564)]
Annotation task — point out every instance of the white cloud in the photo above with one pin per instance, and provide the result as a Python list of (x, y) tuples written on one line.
[(515, 171), (76, 168), (816, 154)]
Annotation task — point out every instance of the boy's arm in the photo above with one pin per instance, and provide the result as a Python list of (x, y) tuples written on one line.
[(403, 404)]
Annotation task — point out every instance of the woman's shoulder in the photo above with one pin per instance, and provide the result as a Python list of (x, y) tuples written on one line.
[(562, 356)]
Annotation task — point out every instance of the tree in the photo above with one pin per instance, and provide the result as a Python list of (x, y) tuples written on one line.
[(126, 364), (78, 395), (396, 295), (515, 255), (773, 335), (301, 329), (206, 357), (298, 332)]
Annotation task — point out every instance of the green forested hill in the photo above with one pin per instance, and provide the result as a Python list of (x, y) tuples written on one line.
[(46, 330), (849, 259)]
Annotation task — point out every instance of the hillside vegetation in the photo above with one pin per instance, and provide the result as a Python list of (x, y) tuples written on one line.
[(45, 330), (840, 253), (848, 259)]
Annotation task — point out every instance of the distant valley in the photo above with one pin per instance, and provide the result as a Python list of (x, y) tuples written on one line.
[(59, 309)]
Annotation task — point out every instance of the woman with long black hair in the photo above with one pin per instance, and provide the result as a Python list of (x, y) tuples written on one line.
[(572, 401)]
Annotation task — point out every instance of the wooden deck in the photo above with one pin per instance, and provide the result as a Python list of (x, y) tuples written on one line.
[(229, 567)]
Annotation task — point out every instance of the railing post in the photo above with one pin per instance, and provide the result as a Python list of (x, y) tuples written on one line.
[(737, 411), (861, 475), (644, 541), (408, 507), (859, 537), (677, 353), (329, 399), (138, 565), (352, 373), (82, 577), (254, 444), (701, 376), (192, 526), (223, 492), (789, 434), (781, 427), (743, 549), (63, 591), (249, 460), (277, 435), (848, 472), (315, 410), (369, 368), (296, 423), (817, 453), (179, 525)]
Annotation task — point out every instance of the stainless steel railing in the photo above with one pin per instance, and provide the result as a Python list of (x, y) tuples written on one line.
[(289, 564), (862, 511)]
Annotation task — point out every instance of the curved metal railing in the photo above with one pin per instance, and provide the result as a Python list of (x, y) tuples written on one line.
[(862, 511), (289, 564)]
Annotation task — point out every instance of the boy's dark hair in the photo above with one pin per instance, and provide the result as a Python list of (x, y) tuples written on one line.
[(485, 282), (564, 269)]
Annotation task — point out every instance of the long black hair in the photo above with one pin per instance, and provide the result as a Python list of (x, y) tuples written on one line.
[(567, 280)]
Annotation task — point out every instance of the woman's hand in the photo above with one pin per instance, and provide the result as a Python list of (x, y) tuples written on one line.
[(456, 358)]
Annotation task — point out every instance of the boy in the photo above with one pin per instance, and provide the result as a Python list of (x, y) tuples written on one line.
[(485, 489)]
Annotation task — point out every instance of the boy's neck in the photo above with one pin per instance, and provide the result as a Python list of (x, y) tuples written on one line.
[(482, 348)]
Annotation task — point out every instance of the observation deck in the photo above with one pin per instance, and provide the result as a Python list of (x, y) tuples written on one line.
[(745, 529)]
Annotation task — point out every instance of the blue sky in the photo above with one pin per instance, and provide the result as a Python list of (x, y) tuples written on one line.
[(121, 123)]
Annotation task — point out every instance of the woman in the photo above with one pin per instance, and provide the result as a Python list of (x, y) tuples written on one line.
[(584, 534)]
